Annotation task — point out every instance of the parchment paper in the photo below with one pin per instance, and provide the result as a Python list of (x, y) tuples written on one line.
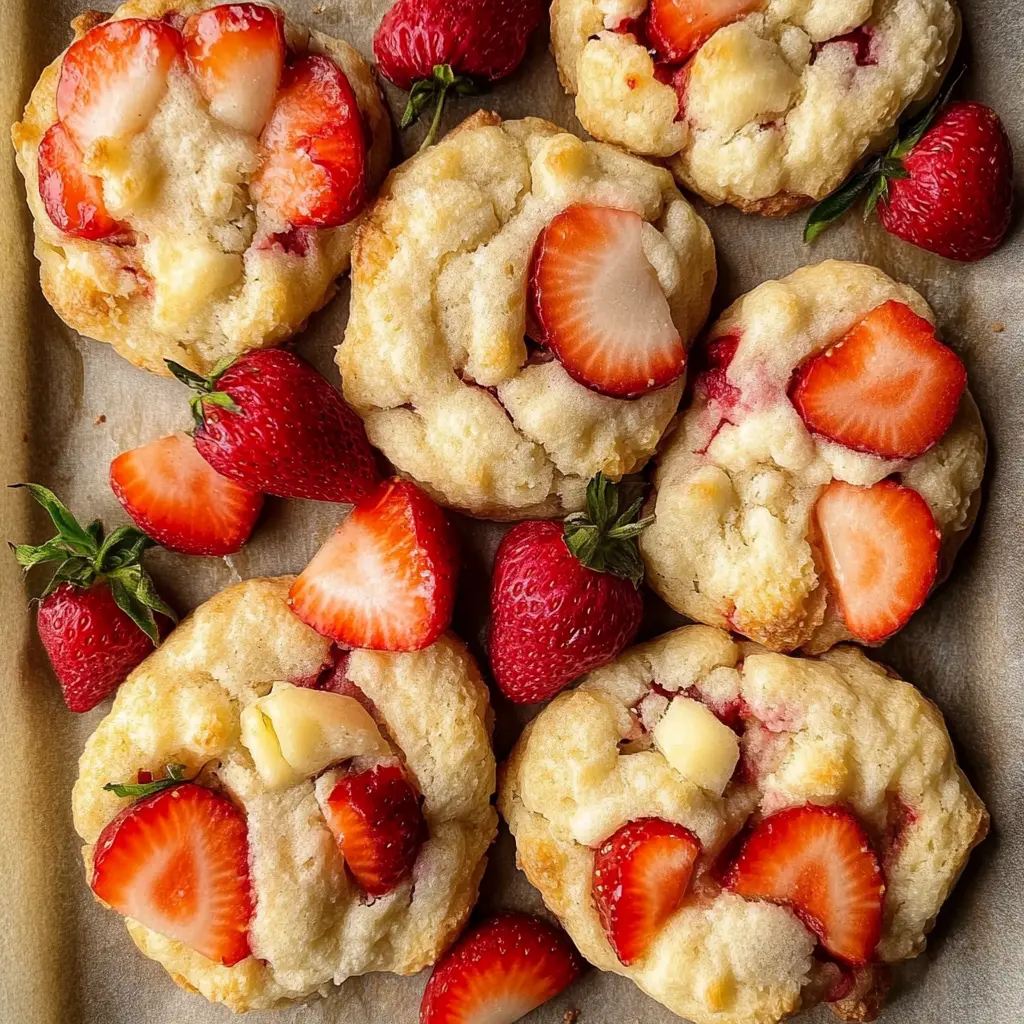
[(68, 405)]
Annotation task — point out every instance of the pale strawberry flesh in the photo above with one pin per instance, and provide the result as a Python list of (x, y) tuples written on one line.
[(888, 387), (818, 861), (386, 579), (236, 54), (114, 77), (881, 550), (314, 154), (177, 862), (600, 306), (181, 501), (678, 28), (499, 972), (641, 875)]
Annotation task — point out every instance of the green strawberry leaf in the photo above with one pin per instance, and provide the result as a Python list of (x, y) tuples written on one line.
[(123, 547), (29, 555), (79, 572), (833, 206), (174, 773), (196, 381), (135, 594), (436, 88), (76, 540), (915, 132)]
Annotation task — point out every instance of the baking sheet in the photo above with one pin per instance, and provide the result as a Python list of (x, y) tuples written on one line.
[(68, 405)]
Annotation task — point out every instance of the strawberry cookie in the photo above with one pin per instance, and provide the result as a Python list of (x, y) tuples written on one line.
[(741, 833), (196, 174), (764, 104), (522, 306), (827, 469), (273, 814)]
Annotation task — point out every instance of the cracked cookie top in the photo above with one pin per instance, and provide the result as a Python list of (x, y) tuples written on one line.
[(438, 357), (739, 539), (764, 104), (233, 695), (837, 732), (177, 213)]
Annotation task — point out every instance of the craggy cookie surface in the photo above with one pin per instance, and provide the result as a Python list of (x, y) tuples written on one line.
[(200, 269), (436, 357), (735, 542), (834, 730), (312, 927), (775, 108)]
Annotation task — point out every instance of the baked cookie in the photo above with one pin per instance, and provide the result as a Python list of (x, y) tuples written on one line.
[(196, 174), (522, 303), (741, 833), (389, 752), (827, 469), (764, 104)]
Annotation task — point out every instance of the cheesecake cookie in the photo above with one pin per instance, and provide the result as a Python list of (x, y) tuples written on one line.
[(325, 813), (764, 104), (196, 174), (741, 833), (826, 470), (522, 305)]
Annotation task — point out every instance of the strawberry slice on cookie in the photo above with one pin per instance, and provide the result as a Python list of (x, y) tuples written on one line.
[(678, 28), (600, 306)]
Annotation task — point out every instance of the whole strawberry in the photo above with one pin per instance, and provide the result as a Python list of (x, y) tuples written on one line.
[(269, 421), (432, 46), (96, 616), (564, 597)]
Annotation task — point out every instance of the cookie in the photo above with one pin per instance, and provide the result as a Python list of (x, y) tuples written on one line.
[(440, 355), (837, 740), (764, 104), (744, 537), (167, 217), (194, 702)]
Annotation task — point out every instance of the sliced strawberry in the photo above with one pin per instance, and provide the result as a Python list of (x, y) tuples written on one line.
[(641, 874), (678, 28), (882, 553), (181, 501), (499, 972), (817, 861), (600, 306), (113, 78), (73, 198), (236, 55), (178, 862), (889, 387), (386, 579), (376, 820), (314, 166)]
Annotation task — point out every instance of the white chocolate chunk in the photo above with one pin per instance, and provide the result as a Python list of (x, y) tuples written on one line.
[(697, 745)]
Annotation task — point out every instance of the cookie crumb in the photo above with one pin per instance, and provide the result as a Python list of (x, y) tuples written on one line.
[(99, 420), (998, 327), (320, 8), (570, 1016)]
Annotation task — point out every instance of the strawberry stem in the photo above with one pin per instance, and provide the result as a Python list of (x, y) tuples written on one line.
[(441, 82), (174, 773), (206, 388)]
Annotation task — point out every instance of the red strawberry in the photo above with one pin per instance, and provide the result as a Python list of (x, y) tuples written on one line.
[(114, 77), (96, 617), (181, 501), (564, 597), (178, 862), (499, 972), (376, 820), (272, 423), (888, 387), (678, 28), (386, 579), (314, 155), (600, 306), (73, 197), (236, 54), (817, 861), (641, 874), (882, 553), (431, 46)]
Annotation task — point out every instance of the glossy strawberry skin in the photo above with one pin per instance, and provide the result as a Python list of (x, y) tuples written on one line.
[(293, 435), (552, 618), (91, 643), (485, 39), (958, 198)]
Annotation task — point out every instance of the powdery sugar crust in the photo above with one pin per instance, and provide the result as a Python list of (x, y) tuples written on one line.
[(435, 357), (777, 109), (733, 544), (205, 280), (829, 730), (312, 928)]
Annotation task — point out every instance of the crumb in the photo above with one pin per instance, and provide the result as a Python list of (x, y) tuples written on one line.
[(320, 8), (570, 1016), (998, 327), (99, 419), (24, 437)]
